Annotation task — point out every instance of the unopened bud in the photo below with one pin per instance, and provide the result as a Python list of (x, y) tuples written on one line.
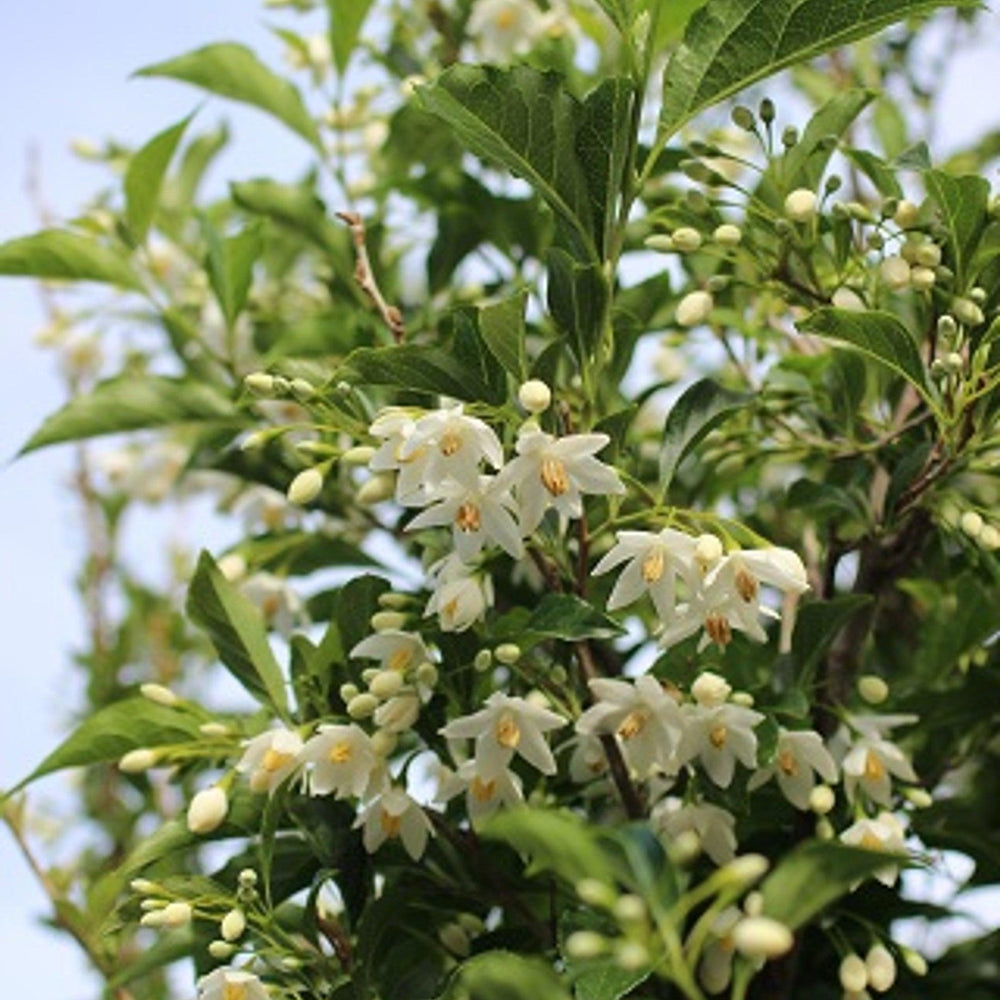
[(922, 279), (535, 396), (709, 689), (847, 298), (853, 973), (685, 847), (789, 136), (582, 945), (660, 242), (221, 950), (153, 919), (399, 713), (348, 691), (631, 955), (159, 694), (629, 909), (746, 869), (394, 601), (507, 653), (302, 390), (989, 538), (207, 810), (305, 487), (361, 706), (260, 383), (143, 886), (383, 621), (895, 273), (234, 923), (800, 205), (914, 961), (686, 239), (380, 487), (743, 698), (176, 914), (361, 454), (137, 761), (927, 255), (753, 905), (971, 523), (694, 308), (822, 799), (968, 312), (742, 117), (954, 363), (383, 742), (978, 295), (906, 214), (873, 689), (593, 892), (427, 674), (919, 797), (824, 829), (762, 937), (728, 235), (247, 878)]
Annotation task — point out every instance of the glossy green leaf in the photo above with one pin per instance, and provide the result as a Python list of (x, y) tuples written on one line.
[(730, 44), (877, 335), (230, 264), (501, 325), (570, 618), (293, 205), (963, 203), (131, 403), (233, 71), (115, 730), (346, 20), (504, 975), (578, 293), (816, 874), (144, 177), (701, 407), (64, 256), (818, 624), (237, 631)]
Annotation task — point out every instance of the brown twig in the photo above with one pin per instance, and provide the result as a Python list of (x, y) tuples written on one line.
[(365, 277)]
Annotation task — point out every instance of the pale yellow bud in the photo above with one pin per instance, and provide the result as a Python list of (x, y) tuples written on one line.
[(143, 885), (427, 674), (593, 892), (753, 905), (159, 694), (989, 538), (631, 955), (922, 278), (361, 706), (762, 937), (207, 810), (152, 919), (686, 239), (137, 761), (928, 255), (873, 689), (385, 683), (971, 523), (746, 869), (360, 454), (176, 914), (694, 308), (919, 797), (221, 950), (214, 729), (380, 487), (915, 962), (383, 742), (259, 383), (847, 298), (800, 205), (535, 396), (582, 945), (305, 487), (881, 968), (660, 242), (906, 214), (348, 691), (382, 621), (629, 909), (895, 273), (822, 799), (968, 312), (234, 923), (232, 566), (853, 973), (454, 938), (728, 235), (507, 653)]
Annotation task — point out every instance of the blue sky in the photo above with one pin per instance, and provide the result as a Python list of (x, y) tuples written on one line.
[(64, 72)]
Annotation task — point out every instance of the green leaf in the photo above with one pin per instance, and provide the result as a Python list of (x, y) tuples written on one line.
[(357, 601), (130, 403), (501, 325), (730, 44), (577, 298), (818, 624), (237, 631), (482, 368), (346, 20), (877, 171), (877, 335), (504, 975), (115, 730), (816, 874), (234, 71), (64, 256), (295, 206), (229, 265), (701, 407), (963, 202), (600, 978), (559, 842), (570, 618), (144, 177)]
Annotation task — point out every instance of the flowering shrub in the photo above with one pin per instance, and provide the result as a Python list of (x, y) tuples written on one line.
[(614, 590)]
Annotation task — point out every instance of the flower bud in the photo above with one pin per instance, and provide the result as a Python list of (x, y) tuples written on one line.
[(232, 566), (971, 523), (399, 713), (660, 242), (629, 909), (159, 694), (380, 487), (922, 279), (260, 383), (593, 892), (709, 689), (247, 878), (800, 205), (914, 961), (686, 239), (822, 799), (767, 111), (906, 214), (369, 674), (881, 968), (348, 691), (966, 311), (507, 653), (360, 454), (927, 255), (920, 798), (743, 698), (254, 440), (685, 847), (742, 117), (234, 923), (989, 538), (153, 919), (137, 761), (954, 363), (745, 869), (762, 937), (143, 885), (207, 810), (824, 829), (302, 390), (728, 235), (427, 674), (694, 308), (630, 955), (707, 551), (873, 689), (305, 487), (789, 136), (847, 298), (385, 683), (221, 950), (535, 396), (383, 621), (454, 938), (753, 905), (978, 295), (176, 914), (394, 601), (582, 945), (895, 273), (853, 973), (361, 706)]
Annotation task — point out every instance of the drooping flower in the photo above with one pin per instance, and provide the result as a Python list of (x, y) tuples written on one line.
[(394, 649), (395, 814), (588, 759), (478, 515), (228, 983), (799, 757), (715, 971), (717, 737), (551, 472), (342, 760), (506, 726), (503, 29), (270, 758), (870, 760), (653, 563), (276, 599), (483, 795), (643, 716), (393, 426), (714, 826), (461, 596), (884, 833)]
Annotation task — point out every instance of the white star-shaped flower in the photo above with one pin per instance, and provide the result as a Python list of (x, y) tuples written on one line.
[(393, 427), (505, 28), (478, 515), (714, 826), (719, 736), (551, 472), (270, 758), (343, 761), (394, 649), (506, 726), (461, 595), (279, 604), (483, 795), (654, 561), (800, 756), (884, 833), (870, 765), (231, 984), (643, 716), (394, 814)]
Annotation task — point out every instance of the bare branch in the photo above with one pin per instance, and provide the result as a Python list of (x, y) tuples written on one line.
[(364, 276)]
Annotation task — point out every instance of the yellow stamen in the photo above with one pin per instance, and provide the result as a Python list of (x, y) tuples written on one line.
[(467, 517), (874, 769), (482, 791), (718, 628), (270, 606), (870, 841), (340, 753), (788, 764), (507, 732), (652, 566), (450, 443), (632, 725), (718, 736), (234, 991), (448, 611), (506, 19), (274, 760), (390, 824), (746, 585), (400, 660), (554, 476)]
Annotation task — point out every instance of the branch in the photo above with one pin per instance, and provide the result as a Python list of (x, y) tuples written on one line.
[(365, 277)]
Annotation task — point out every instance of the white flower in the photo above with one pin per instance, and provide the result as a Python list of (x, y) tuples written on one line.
[(342, 759), (483, 795), (270, 758), (395, 650), (710, 690), (277, 601), (461, 594), (506, 726), (393, 426), (713, 825), (554, 472), (588, 760), (262, 507), (395, 814), (884, 833), (503, 29), (446, 444), (799, 757), (399, 713), (231, 984), (478, 514), (642, 715), (654, 561), (871, 762), (718, 737), (715, 971)]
